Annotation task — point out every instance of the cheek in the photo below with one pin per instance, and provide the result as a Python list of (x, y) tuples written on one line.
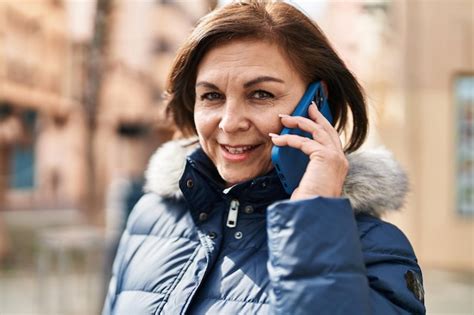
[(205, 123), (275, 126), (272, 122), (269, 123)]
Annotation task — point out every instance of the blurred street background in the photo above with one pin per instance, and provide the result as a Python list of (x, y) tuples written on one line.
[(82, 110)]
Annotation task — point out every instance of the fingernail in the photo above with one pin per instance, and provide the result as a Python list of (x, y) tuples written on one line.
[(283, 115), (273, 135), (313, 103)]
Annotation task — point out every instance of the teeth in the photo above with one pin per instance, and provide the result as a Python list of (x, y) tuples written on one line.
[(238, 150)]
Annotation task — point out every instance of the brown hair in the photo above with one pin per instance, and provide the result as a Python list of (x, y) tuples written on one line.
[(307, 49)]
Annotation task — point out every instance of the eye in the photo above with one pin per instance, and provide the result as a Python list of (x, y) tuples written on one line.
[(211, 96), (262, 95)]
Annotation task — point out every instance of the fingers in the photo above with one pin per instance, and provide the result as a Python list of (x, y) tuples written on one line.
[(306, 145), (319, 118), (318, 126), (324, 135), (317, 131)]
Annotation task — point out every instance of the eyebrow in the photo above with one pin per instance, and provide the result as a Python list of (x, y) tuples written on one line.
[(246, 84), (207, 84), (262, 79)]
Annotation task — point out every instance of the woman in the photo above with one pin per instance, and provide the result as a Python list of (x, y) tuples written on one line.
[(322, 250)]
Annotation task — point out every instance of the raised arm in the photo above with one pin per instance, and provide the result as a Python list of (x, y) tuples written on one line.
[(324, 261)]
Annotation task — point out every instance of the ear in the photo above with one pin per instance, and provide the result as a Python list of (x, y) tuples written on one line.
[(325, 88)]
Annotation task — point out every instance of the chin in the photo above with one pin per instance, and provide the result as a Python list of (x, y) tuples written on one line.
[(240, 175), (231, 178)]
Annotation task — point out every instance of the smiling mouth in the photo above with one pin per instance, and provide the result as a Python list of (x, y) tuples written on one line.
[(239, 149)]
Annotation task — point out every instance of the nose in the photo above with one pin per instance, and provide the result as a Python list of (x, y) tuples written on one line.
[(234, 117)]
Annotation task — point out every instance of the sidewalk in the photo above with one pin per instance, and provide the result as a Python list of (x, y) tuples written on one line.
[(448, 293), (21, 294)]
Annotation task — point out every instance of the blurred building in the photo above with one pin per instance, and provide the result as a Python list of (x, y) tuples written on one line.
[(143, 41), (416, 61), (43, 76), (40, 137), (436, 126)]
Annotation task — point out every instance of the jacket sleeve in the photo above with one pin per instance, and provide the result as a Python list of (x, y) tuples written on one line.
[(320, 263)]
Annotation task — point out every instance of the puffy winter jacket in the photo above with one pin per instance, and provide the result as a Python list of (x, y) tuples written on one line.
[(183, 253)]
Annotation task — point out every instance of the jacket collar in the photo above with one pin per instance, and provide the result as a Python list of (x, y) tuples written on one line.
[(374, 185)]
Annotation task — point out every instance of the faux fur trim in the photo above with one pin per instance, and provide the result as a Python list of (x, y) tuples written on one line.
[(376, 183), (166, 167)]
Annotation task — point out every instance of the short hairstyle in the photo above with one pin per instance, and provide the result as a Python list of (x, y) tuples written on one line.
[(307, 48)]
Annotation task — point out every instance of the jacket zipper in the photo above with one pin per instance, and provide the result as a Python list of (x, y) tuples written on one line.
[(233, 213)]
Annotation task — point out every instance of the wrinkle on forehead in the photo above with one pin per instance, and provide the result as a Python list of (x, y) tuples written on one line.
[(243, 60)]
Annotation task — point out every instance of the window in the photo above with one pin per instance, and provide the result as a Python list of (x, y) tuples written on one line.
[(22, 163), (464, 101)]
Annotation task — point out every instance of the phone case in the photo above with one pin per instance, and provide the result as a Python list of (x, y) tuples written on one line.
[(290, 163)]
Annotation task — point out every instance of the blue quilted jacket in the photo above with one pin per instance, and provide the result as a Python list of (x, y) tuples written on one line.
[(191, 247)]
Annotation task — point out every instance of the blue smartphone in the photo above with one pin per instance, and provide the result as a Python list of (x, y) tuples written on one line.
[(290, 163)]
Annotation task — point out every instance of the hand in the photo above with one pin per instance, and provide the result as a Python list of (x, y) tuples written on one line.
[(328, 166)]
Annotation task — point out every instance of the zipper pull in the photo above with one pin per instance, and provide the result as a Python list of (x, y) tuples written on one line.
[(233, 212)]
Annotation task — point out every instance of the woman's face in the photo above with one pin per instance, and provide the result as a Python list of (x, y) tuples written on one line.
[(241, 87)]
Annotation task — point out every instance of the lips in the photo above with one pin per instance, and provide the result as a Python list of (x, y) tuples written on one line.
[(239, 149), (237, 153)]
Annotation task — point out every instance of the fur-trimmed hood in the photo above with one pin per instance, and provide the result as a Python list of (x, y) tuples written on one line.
[(376, 183)]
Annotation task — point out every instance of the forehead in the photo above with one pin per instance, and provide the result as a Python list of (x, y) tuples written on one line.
[(244, 58)]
